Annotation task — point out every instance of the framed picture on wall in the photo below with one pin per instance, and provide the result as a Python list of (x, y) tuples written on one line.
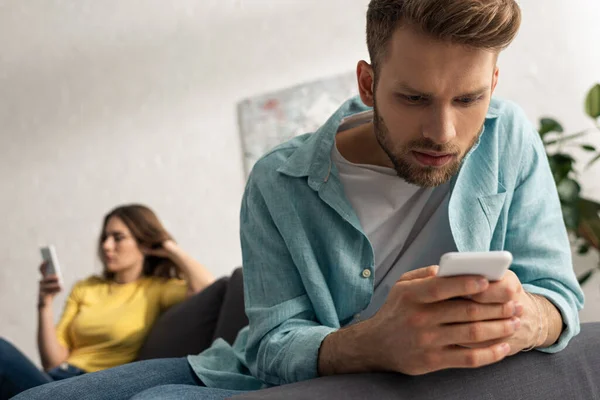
[(270, 119)]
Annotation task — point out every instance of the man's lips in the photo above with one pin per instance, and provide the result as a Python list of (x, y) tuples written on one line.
[(432, 159)]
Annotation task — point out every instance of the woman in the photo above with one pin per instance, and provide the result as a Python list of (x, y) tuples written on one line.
[(106, 318)]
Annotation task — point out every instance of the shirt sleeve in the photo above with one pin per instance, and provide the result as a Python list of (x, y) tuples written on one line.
[(172, 291), (538, 240), (69, 312), (284, 335)]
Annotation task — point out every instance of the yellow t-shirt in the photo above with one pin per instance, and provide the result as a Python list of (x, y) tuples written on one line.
[(104, 323)]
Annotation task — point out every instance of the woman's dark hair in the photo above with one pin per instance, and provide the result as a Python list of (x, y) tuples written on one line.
[(148, 232)]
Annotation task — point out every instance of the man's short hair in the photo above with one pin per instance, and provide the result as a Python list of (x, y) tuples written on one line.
[(484, 24)]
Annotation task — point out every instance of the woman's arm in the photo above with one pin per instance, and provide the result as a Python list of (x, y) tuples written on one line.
[(52, 353), (196, 275)]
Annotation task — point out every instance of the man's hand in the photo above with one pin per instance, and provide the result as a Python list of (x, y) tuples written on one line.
[(541, 322), (423, 327), (425, 319)]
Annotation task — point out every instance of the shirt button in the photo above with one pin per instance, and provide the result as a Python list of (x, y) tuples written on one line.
[(357, 316), (366, 273)]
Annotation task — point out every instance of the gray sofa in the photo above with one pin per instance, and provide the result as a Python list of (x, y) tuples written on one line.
[(218, 311)]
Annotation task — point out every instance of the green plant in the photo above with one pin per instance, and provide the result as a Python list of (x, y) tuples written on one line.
[(581, 216)]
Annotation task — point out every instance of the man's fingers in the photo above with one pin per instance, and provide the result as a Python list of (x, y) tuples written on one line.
[(483, 344), (459, 357), (476, 332), (507, 289), (459, 310), (440, 289), (420, 273)]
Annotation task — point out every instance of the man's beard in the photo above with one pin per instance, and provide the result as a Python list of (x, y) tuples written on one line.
[(404, 163)]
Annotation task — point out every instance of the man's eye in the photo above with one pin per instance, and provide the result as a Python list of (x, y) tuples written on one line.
[(467, 100), (413, 99)]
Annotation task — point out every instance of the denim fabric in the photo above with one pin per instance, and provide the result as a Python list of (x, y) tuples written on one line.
[(65, 371), (185, 392), (17, 372), (308, 266), (118, 383)]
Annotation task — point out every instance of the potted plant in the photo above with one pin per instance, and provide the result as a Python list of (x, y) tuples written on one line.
[(581, 215)]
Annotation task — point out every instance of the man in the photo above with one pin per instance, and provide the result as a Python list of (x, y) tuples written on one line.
[(341, 229)]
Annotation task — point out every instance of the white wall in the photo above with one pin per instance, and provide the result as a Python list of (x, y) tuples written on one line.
[(115, 101), (549, 70)]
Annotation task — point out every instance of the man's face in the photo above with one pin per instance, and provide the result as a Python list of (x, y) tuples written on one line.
[(430, 101)]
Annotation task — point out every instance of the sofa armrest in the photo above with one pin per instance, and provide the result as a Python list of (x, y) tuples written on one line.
[(573, 373)]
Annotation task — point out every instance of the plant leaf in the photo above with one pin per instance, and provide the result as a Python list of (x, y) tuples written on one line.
[(582, 279), (570, 217), (561, 165), (589, 222), (568, 190), (588, 147), (592, 102), (565, 138), (549, 125), (593, 161)]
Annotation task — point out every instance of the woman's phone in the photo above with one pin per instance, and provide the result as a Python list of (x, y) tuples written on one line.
[(51, 260), (491, 265)]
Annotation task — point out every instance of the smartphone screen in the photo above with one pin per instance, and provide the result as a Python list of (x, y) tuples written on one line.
[(51, 260)]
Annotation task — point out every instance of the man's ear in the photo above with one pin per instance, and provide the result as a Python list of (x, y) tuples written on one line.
[(366, 83), (495, 79)]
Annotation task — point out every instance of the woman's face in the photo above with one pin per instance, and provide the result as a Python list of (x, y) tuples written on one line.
[(120, 251)]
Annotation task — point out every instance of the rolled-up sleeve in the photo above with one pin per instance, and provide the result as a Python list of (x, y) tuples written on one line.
[(538, 240), (284, 335)]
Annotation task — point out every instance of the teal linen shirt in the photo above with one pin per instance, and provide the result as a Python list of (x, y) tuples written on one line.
[(305, 255)]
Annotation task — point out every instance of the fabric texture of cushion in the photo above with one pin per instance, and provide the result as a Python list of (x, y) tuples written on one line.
[(572, 374), (233, 316), (188, 327)]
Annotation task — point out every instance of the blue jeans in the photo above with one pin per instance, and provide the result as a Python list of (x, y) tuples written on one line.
[(18, 373), (146, 379)]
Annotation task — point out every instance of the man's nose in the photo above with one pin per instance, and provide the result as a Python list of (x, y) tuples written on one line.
[(439, 126)]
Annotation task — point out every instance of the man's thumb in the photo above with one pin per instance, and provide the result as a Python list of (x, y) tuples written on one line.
[(420, 273)]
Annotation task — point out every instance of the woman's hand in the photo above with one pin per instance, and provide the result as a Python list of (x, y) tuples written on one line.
[(52, 353), (167, 249), (196, 275), (49, 287)]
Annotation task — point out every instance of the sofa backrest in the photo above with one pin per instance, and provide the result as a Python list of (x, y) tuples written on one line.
[(232, 317), (188, 327)]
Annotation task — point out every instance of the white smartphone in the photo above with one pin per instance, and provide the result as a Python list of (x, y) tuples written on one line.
[(52, 265), (491, 264)]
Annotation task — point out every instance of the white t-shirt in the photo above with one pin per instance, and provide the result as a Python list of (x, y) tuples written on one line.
[(387, 206), (392, 211)]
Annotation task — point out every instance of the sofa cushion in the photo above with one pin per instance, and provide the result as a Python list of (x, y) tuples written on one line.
[(571, 374), (233, 316), (188, 327)]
